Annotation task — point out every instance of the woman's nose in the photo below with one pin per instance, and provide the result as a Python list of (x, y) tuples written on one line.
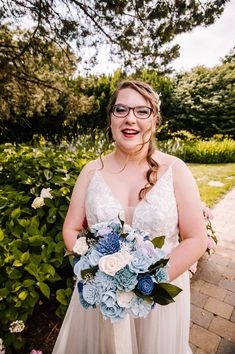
[(131, 117)]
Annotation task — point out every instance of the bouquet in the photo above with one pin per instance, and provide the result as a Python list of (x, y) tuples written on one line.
[(121, 270)]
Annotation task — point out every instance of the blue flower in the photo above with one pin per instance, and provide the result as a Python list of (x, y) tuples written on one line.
[(104, 281), (145, 284), (91, 294), (139, 307), (109, 244), (159, 254), (83, 263), (140, 263), (80, 286), (94, 257), (125, 279), (110, 308), (162, 275), (83, 302)]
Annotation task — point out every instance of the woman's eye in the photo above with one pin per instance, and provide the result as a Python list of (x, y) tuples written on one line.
[(143, 110), (120, 109)]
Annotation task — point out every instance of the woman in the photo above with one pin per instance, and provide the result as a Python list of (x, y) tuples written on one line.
[(152, 191)]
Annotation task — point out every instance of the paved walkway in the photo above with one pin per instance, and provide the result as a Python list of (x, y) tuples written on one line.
[(213, 288)]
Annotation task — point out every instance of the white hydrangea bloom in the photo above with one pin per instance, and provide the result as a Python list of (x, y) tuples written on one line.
[(2, 348), (46, 193), (17, 326), (38, 202)]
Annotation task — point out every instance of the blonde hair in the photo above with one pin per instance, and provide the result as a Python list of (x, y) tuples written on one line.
[(153, 98)]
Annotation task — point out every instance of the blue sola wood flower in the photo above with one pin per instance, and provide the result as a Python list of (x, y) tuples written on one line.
[(145, 284), (109, 244)]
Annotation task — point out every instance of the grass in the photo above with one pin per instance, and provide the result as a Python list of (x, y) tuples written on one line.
[(204, 173)]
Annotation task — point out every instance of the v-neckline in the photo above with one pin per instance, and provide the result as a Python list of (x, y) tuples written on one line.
[(139, 202)]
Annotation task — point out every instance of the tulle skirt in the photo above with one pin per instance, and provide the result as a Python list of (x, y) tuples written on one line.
[(164, 331)]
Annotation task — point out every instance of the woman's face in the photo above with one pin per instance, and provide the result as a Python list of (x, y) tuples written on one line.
[(131, 132)]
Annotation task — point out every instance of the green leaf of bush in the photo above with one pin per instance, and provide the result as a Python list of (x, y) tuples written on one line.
[(44, 289)]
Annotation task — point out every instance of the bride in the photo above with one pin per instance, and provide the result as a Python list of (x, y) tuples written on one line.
[(152, 191)]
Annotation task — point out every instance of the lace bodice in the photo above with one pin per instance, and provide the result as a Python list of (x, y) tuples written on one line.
[(156, 214)]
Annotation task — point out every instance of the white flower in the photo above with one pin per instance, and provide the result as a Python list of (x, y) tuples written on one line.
[(46, 193), (38, 203), (124, 298), (2, 348), (112, 263), (80, 246), (17, 326)]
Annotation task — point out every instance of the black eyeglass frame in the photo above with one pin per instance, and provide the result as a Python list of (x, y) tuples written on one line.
[(133, 108)]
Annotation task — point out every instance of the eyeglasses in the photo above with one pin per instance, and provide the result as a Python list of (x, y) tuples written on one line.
[(140, 112)]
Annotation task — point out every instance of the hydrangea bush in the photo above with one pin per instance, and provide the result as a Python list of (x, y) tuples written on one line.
[(36, 184)]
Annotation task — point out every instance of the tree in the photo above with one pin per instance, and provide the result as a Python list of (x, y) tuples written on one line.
[(203, 101), (230, 57), (37, 95), (139, 32)]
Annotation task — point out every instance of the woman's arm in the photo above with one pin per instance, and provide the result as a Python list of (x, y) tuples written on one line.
[(76, 212), (192, 226)]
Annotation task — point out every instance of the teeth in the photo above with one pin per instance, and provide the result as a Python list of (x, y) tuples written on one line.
[(130, 131)]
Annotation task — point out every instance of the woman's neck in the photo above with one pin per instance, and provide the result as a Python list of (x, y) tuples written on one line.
[(133, 159)]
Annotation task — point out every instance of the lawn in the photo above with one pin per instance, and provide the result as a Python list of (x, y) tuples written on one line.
[(221, 176)]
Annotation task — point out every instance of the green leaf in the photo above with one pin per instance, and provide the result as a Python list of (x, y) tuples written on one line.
[(15, 213), (173, 290), (159, 264), (62, 297), (34, 225), (4, 292), (22, 295), (15, 274), (32, 269), (48, 174), (47, 268), (1, 235), (158, 242), (28, 282), (24, 257), (17, 263), (36, 240), (44, 289), (23, 222), (163, 293), (161, 296)]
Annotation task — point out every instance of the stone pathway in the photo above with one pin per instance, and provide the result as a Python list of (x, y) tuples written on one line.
[(213, 288)]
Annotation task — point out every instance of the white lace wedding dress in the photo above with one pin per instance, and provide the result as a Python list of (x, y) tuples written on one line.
[(166, 329)]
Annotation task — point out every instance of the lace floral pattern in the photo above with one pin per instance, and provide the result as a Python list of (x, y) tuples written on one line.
[(156, 214)]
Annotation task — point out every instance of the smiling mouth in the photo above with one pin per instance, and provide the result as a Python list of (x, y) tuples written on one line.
[(129, 132)]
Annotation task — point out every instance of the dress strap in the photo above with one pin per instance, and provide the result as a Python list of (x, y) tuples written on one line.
[(97, 165), (173, 163)]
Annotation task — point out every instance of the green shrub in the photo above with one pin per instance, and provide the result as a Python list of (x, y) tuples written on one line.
[(200, 151), (33, 268)]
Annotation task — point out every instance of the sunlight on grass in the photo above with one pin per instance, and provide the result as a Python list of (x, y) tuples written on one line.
[(223, 173)]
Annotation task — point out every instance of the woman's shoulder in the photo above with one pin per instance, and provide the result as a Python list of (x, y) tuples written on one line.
[(167, 160), (88, 171)]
